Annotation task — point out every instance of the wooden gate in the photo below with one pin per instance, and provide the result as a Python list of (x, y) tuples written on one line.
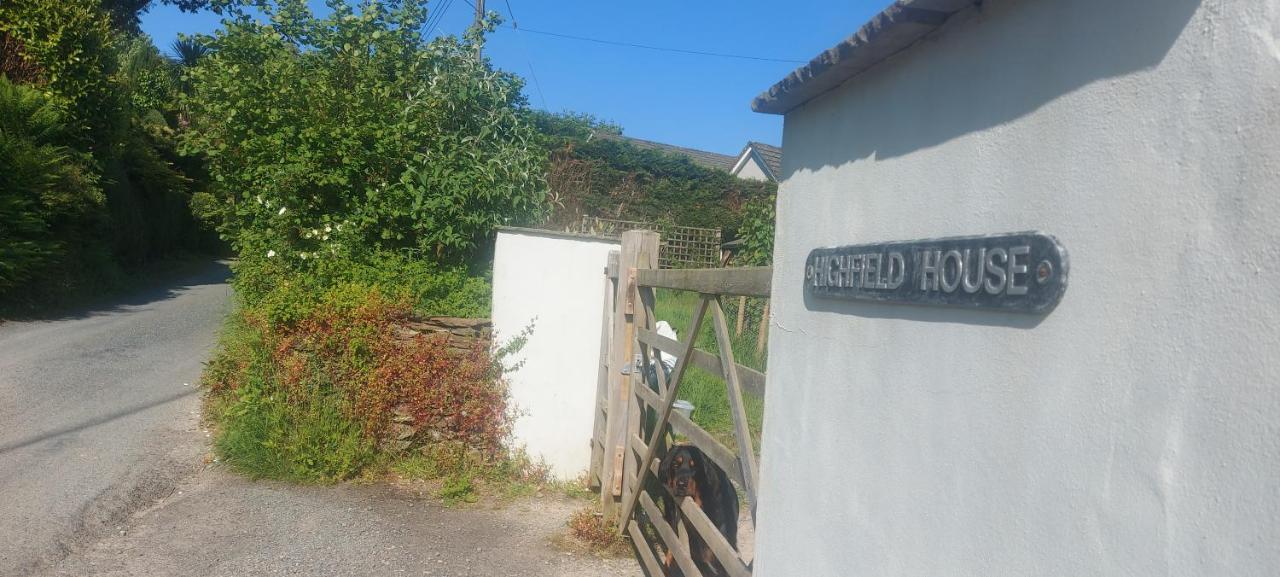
[(635, 422)]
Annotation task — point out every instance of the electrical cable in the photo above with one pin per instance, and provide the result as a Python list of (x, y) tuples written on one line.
[(644, 46), (524, 47), (432, 24), (662, 48)]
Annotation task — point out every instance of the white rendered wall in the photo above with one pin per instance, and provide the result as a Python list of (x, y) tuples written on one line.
[(557, 284), (1133, 431)]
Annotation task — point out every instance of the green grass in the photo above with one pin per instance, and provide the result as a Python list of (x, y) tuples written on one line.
[(705, 390), (263, 437), (677, 308), (458, 477)]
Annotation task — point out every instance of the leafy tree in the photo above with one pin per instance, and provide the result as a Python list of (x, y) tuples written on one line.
[(189, 50), (150, 79), (73, 44), (332, 136)]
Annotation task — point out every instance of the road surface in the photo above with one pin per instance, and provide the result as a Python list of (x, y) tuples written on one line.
[(218, 524), (103, 471), (99, 414)]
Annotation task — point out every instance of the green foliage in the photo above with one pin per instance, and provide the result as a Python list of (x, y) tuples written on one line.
[(49, 195), (463, 475), (261, 432), (262, 435), (189, 50), (594, 173), (74, 45), (147, 77), (284, 294), (106, 187), (557, 128), (758, 218), (351, 133)]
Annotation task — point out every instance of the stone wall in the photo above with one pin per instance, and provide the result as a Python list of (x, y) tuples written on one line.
[(464, 334)]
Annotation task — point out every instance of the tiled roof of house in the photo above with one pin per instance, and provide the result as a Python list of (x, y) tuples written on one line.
[(891, 31), (772, 156), (702, 158)]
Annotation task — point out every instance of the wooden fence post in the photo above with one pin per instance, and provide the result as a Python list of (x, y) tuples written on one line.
[(763, 336), (595, 475), (742, 315), (639, 249)]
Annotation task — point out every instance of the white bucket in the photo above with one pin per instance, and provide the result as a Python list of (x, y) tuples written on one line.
[(683, 407)]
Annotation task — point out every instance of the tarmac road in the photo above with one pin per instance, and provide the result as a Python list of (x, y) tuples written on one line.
[(99, 414)]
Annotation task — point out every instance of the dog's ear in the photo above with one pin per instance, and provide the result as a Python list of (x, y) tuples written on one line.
[(705, 472), (664, 468)]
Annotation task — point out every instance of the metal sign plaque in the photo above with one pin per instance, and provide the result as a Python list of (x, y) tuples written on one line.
[(1016, 272)]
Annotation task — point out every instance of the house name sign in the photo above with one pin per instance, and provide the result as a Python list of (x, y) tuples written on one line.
[(1016, 272)]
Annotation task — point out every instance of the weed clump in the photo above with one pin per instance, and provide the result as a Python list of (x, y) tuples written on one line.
[(598, 535)]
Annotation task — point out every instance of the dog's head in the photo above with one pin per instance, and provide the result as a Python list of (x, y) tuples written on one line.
[(682, 470)]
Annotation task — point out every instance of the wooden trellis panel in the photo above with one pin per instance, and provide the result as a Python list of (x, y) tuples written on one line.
[(679, 246)]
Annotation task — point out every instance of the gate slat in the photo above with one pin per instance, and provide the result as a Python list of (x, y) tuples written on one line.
[(669, 538), (642, 546), (753, 381), (746, 453), (638, 447), (727, 555), (751, 281)]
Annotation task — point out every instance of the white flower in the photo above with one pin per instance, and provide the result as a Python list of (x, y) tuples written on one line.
[(271, 253), (339, 228), (282, 209), (303, 255), (259, 199), (328, 228)]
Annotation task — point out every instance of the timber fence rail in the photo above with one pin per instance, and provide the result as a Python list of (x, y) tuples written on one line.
[(636, 422)]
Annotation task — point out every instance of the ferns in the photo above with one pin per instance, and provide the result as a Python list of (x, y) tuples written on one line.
[(46, 189)]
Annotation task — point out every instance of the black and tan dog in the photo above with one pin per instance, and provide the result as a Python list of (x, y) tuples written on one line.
[(686, 472)]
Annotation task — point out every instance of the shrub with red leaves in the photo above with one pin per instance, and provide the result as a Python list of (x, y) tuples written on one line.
[(402, 389)]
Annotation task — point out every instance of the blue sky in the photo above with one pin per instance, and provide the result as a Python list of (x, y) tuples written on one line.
[(683, 99)]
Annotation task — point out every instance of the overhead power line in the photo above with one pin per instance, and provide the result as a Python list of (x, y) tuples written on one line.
[(433, 20), (661, 48), (514, 26), (525, 49)]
